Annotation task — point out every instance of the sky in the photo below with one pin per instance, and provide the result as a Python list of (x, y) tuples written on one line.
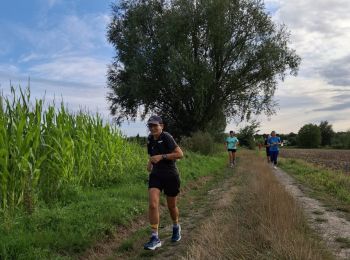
[(61, 46)]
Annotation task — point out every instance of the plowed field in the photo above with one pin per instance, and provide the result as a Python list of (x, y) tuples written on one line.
[(331, 159)]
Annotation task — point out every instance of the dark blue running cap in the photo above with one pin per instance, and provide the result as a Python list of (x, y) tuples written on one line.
[(155, 120)]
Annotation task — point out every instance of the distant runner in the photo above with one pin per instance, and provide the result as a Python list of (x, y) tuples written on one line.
[(266, 144), (274, 141), (164, 175), (231, 146)]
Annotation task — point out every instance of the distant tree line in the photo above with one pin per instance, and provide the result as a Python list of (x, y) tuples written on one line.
[(308, 136), (322, 135)]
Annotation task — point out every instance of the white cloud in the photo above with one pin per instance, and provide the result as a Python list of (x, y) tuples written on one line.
[(8, 69), (75, 95), (320, 34), (72, 34), (29, 57), (79, 69), (320, 29), (79, 81), (65, 59)]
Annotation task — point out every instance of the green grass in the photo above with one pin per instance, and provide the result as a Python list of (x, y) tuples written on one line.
[(327, 184), (66, 230), (68, 179), (69, 229)]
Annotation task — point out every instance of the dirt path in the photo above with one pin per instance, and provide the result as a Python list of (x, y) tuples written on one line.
[(195, 204), (195, 207), (330, 225), (218, 197), (203, 202)]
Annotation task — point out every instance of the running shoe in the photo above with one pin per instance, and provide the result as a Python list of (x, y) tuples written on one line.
[(176, 233), (153, 243)]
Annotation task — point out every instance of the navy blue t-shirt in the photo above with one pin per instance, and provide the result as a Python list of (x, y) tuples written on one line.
[(164, 145)]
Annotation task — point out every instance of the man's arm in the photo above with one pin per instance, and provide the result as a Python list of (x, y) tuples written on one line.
[(176, 154)]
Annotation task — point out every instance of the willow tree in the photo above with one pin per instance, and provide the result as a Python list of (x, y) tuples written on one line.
[(197, 63)]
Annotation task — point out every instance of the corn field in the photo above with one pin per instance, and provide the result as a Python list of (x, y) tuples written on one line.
[(44, 151)]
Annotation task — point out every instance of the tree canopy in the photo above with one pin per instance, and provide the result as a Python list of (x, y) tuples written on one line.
[(309, 136), (247, 134), (326, 133), (196, 63)]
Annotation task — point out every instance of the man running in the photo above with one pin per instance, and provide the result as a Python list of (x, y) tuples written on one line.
[(164, 175), (273, 142), (231, 146)]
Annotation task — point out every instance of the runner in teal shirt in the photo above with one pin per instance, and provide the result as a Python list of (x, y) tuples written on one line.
[(231, 146)]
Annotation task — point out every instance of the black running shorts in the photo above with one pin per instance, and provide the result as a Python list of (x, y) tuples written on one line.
[(167, 181), (232, 150)]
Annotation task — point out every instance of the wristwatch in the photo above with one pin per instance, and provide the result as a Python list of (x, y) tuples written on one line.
[(164, 156)]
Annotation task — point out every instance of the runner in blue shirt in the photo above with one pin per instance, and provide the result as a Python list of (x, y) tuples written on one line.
[(231, 146), (273, 143)]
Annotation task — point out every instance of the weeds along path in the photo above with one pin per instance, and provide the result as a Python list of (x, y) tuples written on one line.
[(240, 213), (334, 229)]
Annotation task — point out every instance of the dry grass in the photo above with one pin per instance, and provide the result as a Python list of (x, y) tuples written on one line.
[(261, 221)]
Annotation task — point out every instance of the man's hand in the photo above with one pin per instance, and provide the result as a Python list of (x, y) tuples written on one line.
[(149, 166), (156, 158)]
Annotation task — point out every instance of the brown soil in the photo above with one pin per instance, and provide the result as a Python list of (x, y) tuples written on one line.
[(332, 159)]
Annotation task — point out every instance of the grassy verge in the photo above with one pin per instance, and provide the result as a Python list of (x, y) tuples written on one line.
[(329, 186), (91, 214)]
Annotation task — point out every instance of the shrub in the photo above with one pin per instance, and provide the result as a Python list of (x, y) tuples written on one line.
[(341, 140), (201, 142), (309, 136), (246, 135)]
